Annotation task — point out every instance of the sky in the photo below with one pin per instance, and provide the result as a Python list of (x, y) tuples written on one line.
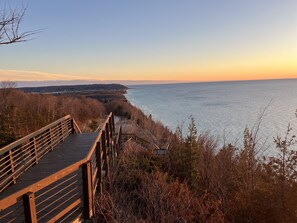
[(153, 40)]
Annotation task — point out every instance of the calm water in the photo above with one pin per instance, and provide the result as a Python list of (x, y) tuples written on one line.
[(222, 108)]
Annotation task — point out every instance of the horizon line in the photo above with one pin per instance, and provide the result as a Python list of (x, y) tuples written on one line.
[(48, 83)]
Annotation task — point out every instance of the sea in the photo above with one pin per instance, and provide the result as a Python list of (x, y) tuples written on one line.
[(222, 109)]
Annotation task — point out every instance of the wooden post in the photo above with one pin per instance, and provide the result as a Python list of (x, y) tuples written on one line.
[(72, 126), (88, 189), (113, 125), (111, 130), (12, 166), (103, 141), (119, 140), (108, 144), (105, 156), (51, 138), (107, 134), (35, 150), (61, 132), (99, 167), (29, 207)]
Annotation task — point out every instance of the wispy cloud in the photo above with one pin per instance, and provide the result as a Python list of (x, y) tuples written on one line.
[(23, 75), (36, 78)]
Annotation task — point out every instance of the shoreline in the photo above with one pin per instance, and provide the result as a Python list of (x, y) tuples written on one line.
[(116, 100)]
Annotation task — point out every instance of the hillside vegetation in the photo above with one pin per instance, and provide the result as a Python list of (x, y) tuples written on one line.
[(22, 113), (201, 182)]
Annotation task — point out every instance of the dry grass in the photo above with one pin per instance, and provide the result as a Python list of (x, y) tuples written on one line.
[(141, 192)]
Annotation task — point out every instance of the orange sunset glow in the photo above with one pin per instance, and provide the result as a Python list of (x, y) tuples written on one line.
[(188, 42)]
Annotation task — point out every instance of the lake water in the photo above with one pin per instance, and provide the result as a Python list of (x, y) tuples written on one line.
[(222, 108)]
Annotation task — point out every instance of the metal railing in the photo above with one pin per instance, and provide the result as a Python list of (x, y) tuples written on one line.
[(69, 193), (138, 139), (20, 155)]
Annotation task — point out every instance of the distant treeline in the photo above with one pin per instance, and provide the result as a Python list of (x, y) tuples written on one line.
[(75, 88)]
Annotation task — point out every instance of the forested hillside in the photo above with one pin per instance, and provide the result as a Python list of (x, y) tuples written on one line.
[(75, 88), (22, 113)]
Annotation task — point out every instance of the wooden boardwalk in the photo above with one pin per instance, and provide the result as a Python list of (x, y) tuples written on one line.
[(60, 185), (74, 149)]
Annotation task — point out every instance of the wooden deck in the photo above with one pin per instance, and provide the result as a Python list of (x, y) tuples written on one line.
[(53, 174), (75, 148)]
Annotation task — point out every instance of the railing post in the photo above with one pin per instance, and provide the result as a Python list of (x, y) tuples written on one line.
[(110, 127), (51, 138), (34, 153), (35, 150), (61, 132), (105, 156), (111, 130), (87, 189), (107, 134), (112, 120), (72, 126), (12, 166), (119, 140), (99, 167), (29, 207), (109, 142)]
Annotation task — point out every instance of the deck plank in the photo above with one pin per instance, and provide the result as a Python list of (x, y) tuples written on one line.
[(73, 149)]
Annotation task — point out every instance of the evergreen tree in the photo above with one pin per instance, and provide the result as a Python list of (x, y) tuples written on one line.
[(192, 153)]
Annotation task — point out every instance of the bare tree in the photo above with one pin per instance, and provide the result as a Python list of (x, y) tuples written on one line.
[(10, 21), (8, 84), (5, 88)]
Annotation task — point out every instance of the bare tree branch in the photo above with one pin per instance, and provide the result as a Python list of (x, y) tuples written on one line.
[(10, 32)]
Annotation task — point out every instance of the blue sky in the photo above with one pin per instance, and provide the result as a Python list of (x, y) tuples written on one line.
[(154, 40)]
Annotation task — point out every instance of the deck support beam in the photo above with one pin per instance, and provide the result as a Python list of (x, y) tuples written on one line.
[(29, 207), (88, 189), (99, 166), (105, 157)]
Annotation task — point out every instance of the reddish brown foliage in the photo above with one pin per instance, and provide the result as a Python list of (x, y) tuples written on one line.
[(142, 193), (22, 113)]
